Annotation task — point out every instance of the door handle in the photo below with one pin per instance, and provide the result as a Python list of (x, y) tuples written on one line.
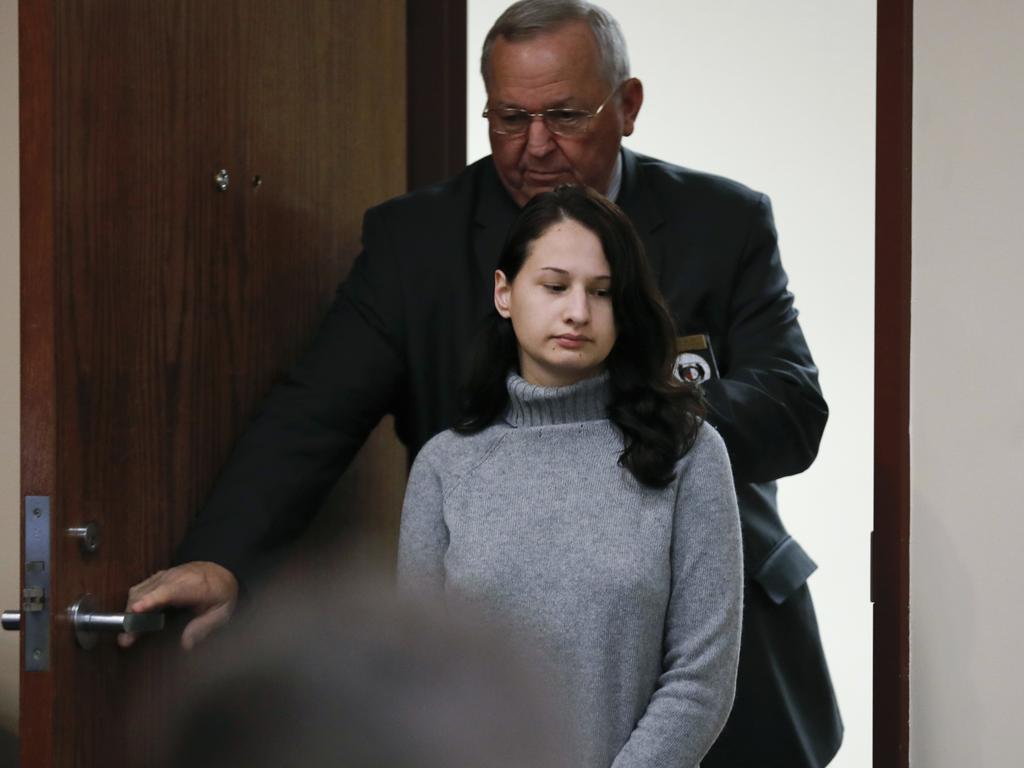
[(88, 623)]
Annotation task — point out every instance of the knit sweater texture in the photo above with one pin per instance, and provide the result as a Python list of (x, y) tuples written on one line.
[(632, 594)]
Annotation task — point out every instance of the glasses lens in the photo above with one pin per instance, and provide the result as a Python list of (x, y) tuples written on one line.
[(508, 120), (566, 122)]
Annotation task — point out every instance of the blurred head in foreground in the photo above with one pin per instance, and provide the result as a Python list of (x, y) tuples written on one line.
[(353, 677)]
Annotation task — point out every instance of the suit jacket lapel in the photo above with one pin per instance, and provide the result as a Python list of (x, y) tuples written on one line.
[(638, 200)]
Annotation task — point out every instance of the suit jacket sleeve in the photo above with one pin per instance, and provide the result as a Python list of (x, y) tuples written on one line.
[(767, 404), (313, 422)]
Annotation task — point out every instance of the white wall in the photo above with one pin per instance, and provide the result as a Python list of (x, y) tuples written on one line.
[(781, 97), (967, 385), (10, 504)]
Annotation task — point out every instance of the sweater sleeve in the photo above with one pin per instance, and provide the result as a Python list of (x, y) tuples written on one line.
[(702, 626), (423, 534)]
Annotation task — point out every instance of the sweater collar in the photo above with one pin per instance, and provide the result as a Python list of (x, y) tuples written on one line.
[(534, 406)]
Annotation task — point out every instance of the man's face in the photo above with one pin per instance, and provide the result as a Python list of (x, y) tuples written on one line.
[(557, 69)]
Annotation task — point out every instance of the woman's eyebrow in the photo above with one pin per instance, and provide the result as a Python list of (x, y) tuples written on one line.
[(561, 271)]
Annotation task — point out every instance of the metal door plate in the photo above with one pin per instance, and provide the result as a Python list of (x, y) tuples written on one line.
[(35, 613)]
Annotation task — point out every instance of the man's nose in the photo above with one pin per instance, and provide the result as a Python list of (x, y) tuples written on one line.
[(539, 140)]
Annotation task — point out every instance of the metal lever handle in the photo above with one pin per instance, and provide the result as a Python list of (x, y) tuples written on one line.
[(88, 536), (88, 623)]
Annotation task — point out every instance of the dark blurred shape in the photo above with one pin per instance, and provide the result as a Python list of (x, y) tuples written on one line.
[(350, 675), (8, 748)]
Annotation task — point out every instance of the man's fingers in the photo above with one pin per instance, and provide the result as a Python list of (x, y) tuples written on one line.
[(145, 585), (178, 592), (207, 588), (201, 626), (157, 590), (126, 639), (194, 585)]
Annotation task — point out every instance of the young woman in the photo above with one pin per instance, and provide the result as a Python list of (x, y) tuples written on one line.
[(582, 500)]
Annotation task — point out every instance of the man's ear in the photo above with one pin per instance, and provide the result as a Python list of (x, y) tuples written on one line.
[(502, 292), (631, 99)]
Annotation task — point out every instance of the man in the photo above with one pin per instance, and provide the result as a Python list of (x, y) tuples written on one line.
[(560, 99)]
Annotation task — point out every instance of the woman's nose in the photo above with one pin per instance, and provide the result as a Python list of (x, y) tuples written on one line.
[(577, 310)]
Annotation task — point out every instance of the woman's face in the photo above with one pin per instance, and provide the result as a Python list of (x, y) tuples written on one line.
[(560, 306)]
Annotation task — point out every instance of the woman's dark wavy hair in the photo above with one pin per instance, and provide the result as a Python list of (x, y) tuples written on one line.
[(658, 415)]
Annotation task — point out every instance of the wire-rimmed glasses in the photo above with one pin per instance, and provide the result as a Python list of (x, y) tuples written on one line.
[(561, 121)]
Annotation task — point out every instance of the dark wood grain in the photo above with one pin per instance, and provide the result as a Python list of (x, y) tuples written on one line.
[(135, 81), (38, 375), (156, 310), (437, 90), (891, 539), (353, 122)]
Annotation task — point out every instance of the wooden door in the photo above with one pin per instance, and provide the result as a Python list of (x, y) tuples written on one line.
[(157, 308)]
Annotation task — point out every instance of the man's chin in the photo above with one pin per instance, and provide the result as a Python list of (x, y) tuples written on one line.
[(531, 189), (529, 186), (545, 182)]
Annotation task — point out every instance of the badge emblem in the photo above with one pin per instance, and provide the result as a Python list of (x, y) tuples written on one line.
[(691, 368), (695, 360)]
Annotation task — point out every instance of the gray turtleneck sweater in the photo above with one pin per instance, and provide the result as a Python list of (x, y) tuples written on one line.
[(632, 593)]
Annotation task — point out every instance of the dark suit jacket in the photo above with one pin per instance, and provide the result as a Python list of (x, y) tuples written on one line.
[(397, 340)]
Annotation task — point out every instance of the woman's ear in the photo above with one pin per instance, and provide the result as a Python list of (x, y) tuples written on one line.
[(502, 294)]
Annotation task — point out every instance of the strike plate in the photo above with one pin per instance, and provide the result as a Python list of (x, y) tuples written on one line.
[(35, 608)]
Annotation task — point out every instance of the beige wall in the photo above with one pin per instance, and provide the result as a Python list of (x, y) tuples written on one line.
[(10, 506), (967, 388)]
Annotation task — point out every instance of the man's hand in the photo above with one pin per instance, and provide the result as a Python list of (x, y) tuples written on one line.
[(210, 590)]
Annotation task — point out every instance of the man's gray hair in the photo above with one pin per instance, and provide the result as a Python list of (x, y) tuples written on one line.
[(526, 19)]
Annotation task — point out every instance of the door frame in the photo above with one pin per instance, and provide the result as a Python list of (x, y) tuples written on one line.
[(436, 77), (38, 353), (890, 540)]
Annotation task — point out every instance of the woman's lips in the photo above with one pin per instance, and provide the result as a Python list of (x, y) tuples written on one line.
[(570, 341)]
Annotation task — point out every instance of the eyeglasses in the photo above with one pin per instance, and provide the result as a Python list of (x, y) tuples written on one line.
[(561, 121)]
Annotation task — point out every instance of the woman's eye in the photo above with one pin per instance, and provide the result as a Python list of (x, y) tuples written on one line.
[(554, 287), (602, 293)]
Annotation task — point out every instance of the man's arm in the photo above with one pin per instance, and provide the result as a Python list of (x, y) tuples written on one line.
[(302, 438), (767, 405)]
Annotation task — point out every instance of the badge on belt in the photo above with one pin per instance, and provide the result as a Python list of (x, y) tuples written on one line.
[(695, 360)]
